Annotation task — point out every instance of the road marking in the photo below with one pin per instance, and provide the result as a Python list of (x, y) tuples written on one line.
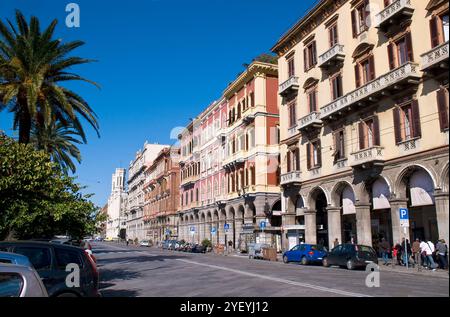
[(274, 279)]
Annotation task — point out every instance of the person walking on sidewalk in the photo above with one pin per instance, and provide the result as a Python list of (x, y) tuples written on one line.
[(384, 249), (442, 251), (427, 248), (398, 253), (406, 251), (336, 242), (416, 254)]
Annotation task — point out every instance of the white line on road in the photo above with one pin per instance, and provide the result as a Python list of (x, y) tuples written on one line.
[(274, 279)]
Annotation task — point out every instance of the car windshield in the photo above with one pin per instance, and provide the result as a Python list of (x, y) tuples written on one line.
[(363, 248)]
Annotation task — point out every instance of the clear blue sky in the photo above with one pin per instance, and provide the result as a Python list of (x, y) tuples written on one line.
[(160, 62)]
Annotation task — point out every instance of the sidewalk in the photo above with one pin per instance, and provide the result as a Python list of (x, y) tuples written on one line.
[(410, 270)]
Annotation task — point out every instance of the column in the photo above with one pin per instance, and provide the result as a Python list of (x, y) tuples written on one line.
[(287, 219), (310, 227), (229, 234), (441, 203), (221, 232), (238, 229), (363, 224), (398, 232), (334, 226)]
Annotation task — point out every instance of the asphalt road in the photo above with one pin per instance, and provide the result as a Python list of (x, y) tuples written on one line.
[(150, 272)]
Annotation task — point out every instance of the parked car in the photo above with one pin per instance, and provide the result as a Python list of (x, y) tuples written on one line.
[(50, 261), (145, 243), (255, 250), (187, 247), (172, 244), (198, 248), (351, 256), (12, 258), (305, 254), (20, 281)]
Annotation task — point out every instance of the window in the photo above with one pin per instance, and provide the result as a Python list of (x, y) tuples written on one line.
[(333, 35), (251, 138), (400, 51), (292, 114), (66, 257), (360, 18), (312, 99), (11, 284), (310, 55), (439, 29), (293, 160), (369, 133), (336, 86), (365, 71), (39, 257), (443, 108), (291, 67), (314, 154), (339, 145), (407, 121)]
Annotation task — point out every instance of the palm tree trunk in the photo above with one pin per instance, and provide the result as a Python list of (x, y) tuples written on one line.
[(24, 126)]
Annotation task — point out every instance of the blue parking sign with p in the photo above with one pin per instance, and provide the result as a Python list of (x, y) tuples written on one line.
[(404, 215)]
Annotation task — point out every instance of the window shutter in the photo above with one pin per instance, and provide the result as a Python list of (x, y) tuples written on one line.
[(361, 136), (305, 59), (376, 131), (288, 156), (442, 100), (319, 153), (409, 47), (297, 159), (372, 67), (386, 3), (355, 31), (314, 53), (416, 119), (336, 145), (391, 56), (308, 155), (330, 37), (357, 76), (434, 31), (398, 135)]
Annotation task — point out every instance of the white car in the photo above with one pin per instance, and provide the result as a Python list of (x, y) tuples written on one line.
[(145, 243)]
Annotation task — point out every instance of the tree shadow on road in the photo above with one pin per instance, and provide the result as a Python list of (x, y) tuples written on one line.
[(118, 274), (138, 259), (119, 293)]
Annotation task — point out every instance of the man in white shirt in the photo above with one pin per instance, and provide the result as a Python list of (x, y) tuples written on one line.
[(428, 249)]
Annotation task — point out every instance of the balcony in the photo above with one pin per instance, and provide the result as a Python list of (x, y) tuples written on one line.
[(394, 14), (289, 86), (311, 121), (236, 158), (435, 59), (368, 157), (292, 131), (291, 178), (332, 57), (368, 93)]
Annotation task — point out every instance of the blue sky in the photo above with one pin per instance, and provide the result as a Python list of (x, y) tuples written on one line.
[(160, 62)]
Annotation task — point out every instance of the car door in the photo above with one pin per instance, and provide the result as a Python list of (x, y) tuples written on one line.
[(41, 259), (66, 262), (333, 255), (294, 254), (347, 253)]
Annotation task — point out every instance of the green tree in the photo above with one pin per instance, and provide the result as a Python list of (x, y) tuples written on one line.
[(32, 67), (59, 141), (36, 199)]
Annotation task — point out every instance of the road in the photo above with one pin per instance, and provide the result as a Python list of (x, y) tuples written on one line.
[(150, 272)]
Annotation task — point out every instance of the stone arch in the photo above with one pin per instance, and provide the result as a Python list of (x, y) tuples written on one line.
[(361, 49), (310, 82), (230, 212), (312, 195), (402, 178), (191, 218), (250, 211), (202, 217), (380, 198), (337, 190), (222, 214), (240, 212), (215, 215), (208, 216), (444, 179)]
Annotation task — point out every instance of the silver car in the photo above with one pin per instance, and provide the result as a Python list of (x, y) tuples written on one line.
[(20, 281)]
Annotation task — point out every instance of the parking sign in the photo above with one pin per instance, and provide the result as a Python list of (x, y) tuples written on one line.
[(404, 217)]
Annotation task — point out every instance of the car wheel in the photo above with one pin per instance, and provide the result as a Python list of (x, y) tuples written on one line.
[(285, 259), (350, 265), (325, 262), (304, 261), (67, 295)]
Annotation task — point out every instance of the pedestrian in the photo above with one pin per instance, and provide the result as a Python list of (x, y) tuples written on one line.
[(427, 249), (442, 251), (406, 251), (384, 249), (398, 253), (416, 253), (336, 242)]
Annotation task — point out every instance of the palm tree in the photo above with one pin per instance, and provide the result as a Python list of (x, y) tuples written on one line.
[(59, 141), (32, 67)]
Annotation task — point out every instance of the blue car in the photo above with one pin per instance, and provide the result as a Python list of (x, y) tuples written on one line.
[(305, 254), (12, 258)]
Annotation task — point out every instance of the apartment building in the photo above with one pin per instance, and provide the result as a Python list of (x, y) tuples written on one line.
[(135, 202), (235, 172), (364, 108), (162, 190)]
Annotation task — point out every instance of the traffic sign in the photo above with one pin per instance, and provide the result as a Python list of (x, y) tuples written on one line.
[(226, 226), (213, 230), (263, 224), (404, 217), (168, 231), (192, 229)]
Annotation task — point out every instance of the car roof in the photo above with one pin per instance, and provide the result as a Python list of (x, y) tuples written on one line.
[(38, 243), (10, 255), (17, 268)]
